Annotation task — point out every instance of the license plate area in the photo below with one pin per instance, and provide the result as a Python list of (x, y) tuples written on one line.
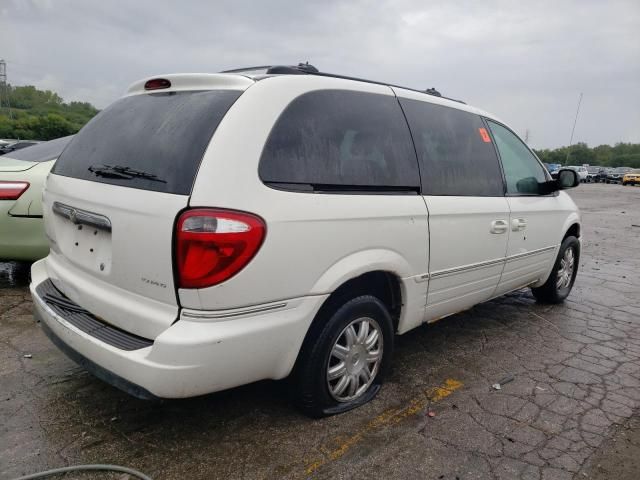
[(83, 238)]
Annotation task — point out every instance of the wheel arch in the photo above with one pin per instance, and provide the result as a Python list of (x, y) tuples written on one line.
[(574, 230), (385, 285), (571, 227)]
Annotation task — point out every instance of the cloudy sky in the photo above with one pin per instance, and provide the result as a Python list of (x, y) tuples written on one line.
[(526, 62)]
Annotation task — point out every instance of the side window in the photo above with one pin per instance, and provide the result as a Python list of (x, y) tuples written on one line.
[(454, 150), (522, 170), (341, 138)]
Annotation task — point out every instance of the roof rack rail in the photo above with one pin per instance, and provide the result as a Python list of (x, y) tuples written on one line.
[(308, 69)]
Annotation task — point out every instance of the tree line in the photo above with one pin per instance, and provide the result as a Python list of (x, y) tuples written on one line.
[(619, 155), (40, 114)]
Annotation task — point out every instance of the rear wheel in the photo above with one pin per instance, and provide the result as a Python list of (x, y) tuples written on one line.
[(563, 275), (344, 358)]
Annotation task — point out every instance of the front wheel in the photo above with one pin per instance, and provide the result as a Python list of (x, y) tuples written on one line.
[(344, 357), (563, 275)]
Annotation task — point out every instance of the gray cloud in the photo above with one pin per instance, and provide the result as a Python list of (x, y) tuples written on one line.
[(526, 63)]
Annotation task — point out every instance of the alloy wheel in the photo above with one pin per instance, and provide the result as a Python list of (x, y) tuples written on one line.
[(355, 359)]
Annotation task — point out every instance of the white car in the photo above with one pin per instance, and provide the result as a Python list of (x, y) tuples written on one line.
[(211, 230), (582, 172)]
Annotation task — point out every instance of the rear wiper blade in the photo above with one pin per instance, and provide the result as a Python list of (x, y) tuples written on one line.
[(127, 173), (104, 171)]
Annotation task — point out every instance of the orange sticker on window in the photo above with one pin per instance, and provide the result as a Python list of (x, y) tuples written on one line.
[(485, 136)]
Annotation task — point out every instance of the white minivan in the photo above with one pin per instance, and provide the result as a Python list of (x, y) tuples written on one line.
[(211, 230)]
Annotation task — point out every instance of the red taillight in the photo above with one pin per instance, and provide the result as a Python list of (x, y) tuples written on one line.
[(12, 190), (213, 245), (156, 84)]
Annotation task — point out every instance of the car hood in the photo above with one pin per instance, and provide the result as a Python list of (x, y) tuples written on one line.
[(12, 165)]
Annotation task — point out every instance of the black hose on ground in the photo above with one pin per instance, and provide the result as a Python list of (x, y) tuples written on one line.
[(78, 468)]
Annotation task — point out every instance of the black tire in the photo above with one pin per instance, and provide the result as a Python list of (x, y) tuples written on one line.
[(550, 292), (310, 387)]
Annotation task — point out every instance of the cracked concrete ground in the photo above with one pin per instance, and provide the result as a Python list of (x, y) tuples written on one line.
[(576, 381)]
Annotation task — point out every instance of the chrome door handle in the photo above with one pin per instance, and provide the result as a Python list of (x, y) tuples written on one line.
[(499, 226), (518, 224)]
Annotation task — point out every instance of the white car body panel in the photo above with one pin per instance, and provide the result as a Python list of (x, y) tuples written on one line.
[(441, 250), (353, 232), (466, 258), (134, 289), (535, 233)]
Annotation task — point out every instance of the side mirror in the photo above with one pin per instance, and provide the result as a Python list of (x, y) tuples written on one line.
[(567, 178)]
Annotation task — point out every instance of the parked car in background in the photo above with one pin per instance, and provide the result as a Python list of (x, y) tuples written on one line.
[(195, 254), (22, 176), (632, 177), (596, 174), (11, 147), (582, 172), (615, 175), (553, 169)]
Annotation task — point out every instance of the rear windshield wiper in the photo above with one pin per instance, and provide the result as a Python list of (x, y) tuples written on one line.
[(125, 173)]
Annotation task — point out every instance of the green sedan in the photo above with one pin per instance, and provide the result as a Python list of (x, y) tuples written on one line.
[(22, 176)]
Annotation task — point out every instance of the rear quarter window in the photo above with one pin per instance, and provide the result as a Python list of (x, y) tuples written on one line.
[(162, 134), (340, 139)]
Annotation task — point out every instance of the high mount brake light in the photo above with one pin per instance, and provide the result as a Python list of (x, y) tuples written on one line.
[(212, 245), (12, 190), (157, 84)]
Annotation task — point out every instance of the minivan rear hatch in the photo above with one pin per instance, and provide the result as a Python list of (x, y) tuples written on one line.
[(113, 196)]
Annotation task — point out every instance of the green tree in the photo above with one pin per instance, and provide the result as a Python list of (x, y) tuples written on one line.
[(41, 114), (619, 155)]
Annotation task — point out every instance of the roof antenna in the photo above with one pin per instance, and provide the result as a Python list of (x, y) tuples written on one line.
[(566, 162), (433, 91), (307, 67)]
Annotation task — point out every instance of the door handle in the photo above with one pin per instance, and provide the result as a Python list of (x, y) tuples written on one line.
[(518, 224), (499, 226)]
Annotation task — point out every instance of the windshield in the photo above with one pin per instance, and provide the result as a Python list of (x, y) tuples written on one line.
[(159, 136), (41, 152)]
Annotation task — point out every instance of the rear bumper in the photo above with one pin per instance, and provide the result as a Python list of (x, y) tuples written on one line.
[(193, 356), (93, 368)]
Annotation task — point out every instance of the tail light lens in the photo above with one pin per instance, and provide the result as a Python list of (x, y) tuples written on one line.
[(12, 190), (213, 245)]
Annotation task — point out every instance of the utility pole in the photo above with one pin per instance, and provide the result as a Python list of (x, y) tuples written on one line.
[(3, 73), (4, 87), (3, 78), (573, 129)]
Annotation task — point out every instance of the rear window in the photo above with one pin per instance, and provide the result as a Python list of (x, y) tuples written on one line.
[(455, 151), (41, 152), (163, 135), (341, 140)]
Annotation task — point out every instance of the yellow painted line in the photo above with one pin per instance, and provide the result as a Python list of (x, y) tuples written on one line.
[(390, 417)]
